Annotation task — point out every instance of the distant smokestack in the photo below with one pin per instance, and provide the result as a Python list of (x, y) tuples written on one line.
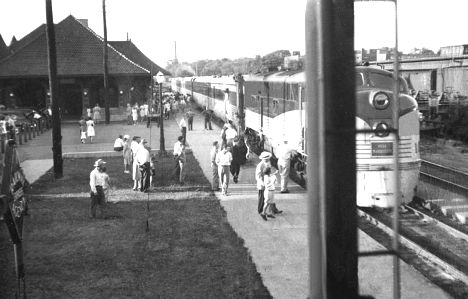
[(84, 22)]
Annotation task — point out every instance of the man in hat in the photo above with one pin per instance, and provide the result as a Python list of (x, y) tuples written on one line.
[(96, 182), (259, 173)]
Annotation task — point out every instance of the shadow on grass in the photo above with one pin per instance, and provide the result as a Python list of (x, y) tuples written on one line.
[(182, 248)]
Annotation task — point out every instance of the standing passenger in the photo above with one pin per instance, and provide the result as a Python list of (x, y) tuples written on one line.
[(259, 172), (135, 145), (224, 159), (96, 183), (97, 113), (143, 161), (190, 116), (127, 154), (135, 114), (284, 164), (269, 178), (239, 152), (207, 113), (90, 129), (178, 152), (214, 167)]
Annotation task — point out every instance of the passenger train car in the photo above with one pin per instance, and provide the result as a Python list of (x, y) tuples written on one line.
[(271, 108)]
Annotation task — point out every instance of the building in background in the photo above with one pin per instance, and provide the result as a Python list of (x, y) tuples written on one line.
[(24, 81)]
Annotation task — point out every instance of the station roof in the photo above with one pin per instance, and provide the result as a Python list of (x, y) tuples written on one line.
[(4, 51), (79, 53)]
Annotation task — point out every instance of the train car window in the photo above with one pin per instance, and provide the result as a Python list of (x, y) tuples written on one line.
[(384, 81)]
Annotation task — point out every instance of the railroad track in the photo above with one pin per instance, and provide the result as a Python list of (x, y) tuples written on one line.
[(435, 249), (446, 177)]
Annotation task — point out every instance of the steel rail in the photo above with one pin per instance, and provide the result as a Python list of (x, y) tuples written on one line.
[(417, 249), (451, 169), (447, 184), (453, 231)]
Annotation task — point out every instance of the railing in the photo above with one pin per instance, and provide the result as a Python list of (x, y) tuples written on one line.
[(25, 132)]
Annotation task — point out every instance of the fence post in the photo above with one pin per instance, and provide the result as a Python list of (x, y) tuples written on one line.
[(33, 131)]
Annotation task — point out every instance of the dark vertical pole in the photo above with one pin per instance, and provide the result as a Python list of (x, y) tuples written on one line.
[(54, 97), (331, 109), (106, 97), (162, 148)]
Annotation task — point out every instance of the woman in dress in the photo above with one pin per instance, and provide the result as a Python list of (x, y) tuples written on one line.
[(135, 114), (97, 113), (90, 131)]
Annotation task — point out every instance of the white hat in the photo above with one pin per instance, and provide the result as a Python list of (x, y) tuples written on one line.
[(99, 162), (265, 155), (126, 137)]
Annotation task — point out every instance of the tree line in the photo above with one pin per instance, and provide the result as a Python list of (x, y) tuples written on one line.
[(277, 60)]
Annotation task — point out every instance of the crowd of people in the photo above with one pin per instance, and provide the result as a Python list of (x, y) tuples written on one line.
[(226, 156)]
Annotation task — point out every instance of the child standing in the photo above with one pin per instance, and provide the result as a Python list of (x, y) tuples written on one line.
[(269, 180), (106, 185)]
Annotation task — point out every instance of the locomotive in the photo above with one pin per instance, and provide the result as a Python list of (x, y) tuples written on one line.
[(270, 109)]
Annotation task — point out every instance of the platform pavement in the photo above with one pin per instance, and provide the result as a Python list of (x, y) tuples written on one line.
[(278, 247)]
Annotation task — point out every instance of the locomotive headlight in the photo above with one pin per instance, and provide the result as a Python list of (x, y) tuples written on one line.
[(381, 100), (382, 129)]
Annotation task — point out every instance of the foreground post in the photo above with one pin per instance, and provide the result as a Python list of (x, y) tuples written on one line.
[(56, 128)]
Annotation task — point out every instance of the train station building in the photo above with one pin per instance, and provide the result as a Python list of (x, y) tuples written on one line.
[(24, 81)]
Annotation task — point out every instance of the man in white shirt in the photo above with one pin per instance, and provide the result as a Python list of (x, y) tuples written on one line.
[(284, 154), (179, 159), (143, 160), (118, 144), (231, 133), (224, 159), (96, 183)]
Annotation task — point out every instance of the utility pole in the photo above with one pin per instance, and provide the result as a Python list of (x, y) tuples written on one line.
[(54, 98), (106, 97)]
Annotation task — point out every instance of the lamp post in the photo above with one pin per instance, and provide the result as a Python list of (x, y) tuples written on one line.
[(160, 79)]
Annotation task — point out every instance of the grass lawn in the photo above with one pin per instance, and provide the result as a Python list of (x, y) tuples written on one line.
[(190, 250)]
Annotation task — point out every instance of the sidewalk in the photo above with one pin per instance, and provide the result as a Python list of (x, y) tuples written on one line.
[(279, 247)]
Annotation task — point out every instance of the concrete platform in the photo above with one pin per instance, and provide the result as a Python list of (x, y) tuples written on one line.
[(278, 247)]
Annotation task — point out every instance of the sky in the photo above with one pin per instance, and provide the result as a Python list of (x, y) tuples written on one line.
[(216, 29)]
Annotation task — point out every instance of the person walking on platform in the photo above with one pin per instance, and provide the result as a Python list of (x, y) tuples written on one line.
[(269, 179), (239, 152), (90, 129), (183, 129), (83, 130), (259, 173), (284, 164), (224, 159), (214, 167), (190, 114), (96, 183), (207, 114), (231, 133), (179, 155)]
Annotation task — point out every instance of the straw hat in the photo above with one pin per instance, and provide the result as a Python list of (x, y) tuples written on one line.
[(99, 163), (265, 155)]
